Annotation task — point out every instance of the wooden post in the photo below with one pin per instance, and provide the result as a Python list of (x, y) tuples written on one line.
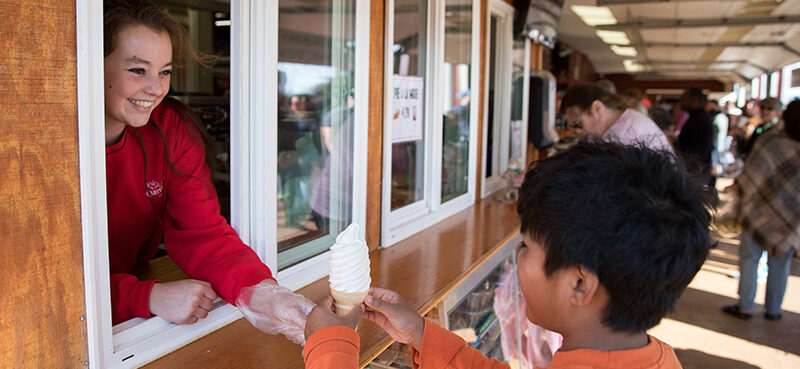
[(377, 41), (42, 301)]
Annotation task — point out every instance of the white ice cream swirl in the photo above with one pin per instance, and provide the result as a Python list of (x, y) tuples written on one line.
[(349, 262)]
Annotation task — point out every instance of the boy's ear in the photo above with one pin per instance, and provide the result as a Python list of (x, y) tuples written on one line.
[(584, 284)]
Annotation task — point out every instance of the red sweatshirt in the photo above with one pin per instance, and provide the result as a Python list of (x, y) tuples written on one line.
[(148, 201)]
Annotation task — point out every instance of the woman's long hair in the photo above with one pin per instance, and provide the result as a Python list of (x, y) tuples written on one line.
[(120, 14)]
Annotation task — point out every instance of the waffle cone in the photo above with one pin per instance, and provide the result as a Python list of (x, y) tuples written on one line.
[(347, 301)]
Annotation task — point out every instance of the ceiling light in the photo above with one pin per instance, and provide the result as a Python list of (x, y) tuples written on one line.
[(624, 50), (594, 15), (613, 37), (632, 66)]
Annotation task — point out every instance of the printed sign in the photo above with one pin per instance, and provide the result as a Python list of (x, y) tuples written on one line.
[(407, 114)]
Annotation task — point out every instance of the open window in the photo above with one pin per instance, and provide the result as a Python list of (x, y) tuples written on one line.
[(288, 179), (497, 109), (430, 122)]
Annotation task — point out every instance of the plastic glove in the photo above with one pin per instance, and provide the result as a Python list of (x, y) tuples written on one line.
[(275, 309)]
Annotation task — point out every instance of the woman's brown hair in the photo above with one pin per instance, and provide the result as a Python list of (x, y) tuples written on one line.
[(120, 14)]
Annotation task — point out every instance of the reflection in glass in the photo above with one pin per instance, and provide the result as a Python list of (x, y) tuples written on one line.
[(456, 98), (491, 160), (207, 93), (316, 57), (515, 160), (410, 34)]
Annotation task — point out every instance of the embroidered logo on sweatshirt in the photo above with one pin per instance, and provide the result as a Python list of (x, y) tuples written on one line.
[(154, 189)]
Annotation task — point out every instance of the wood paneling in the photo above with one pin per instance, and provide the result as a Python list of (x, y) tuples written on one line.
[(423, 269), (41, 288), (375, 150)]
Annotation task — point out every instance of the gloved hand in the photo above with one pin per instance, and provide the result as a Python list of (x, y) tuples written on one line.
[(275, 309)]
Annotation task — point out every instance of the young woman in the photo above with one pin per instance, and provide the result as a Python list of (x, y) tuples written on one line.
[(159, 189)]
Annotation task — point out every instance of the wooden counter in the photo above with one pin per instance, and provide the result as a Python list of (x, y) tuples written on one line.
[(422, 268)]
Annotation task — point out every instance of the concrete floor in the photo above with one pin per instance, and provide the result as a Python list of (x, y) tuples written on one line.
[(704, 337)]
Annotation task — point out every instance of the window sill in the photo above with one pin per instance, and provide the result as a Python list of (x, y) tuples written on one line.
[(423, 268)]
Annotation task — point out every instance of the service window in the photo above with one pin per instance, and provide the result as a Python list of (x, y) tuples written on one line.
[(429, 123), (286, 106), (496, 119)]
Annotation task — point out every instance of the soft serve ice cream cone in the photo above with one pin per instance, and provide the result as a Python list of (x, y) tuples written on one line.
[(349, 276)]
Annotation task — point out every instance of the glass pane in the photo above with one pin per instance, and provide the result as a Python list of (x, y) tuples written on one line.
[(206, 91), (316, 59), (491, 165), (515, 160), (456, 96), (408, 153)]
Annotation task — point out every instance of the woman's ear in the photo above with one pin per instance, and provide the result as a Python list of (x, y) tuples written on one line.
[(584, 283), (597, 109)]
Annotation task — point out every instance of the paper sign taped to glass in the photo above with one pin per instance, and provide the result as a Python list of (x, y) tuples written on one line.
[(407, 105)]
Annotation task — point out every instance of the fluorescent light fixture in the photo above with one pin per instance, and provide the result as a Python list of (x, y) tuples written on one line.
[(632, 66), (223, 23), (594, 15), (624, 50), (613, 37)]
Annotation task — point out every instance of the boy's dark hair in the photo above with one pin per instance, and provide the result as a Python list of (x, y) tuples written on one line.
[(630, 214)]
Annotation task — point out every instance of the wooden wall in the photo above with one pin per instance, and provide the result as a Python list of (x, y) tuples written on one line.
[(41, 287), (375, 134)]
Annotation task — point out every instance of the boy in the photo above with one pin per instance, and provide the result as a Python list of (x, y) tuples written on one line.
[(613, 235)]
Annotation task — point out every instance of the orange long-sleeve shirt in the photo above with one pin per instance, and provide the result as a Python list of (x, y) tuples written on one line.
[(337, 348)]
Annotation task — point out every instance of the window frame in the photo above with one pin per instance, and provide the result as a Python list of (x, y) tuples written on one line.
[(502, 101), (399, 224), (253, 177)]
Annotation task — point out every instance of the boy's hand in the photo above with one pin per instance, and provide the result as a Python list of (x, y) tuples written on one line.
[(323, 316), (388, 310)]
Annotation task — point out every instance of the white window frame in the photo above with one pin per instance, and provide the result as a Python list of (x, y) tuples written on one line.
[(399, 224), (504, 14), (254, 51)]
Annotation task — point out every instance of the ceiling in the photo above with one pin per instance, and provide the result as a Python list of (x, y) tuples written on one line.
[(727, 40)]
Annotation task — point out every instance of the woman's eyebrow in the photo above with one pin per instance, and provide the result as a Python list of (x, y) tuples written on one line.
[(137, 60)]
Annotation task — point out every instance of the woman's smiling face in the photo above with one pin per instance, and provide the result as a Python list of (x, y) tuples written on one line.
[(137, 75)]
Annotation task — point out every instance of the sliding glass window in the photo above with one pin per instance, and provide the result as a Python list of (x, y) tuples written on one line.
[(455, 80), (408, 128), (316, 100)]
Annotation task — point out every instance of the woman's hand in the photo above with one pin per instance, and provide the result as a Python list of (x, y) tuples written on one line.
[(274, 309), (323, 316), (388, 310), (182, 302)]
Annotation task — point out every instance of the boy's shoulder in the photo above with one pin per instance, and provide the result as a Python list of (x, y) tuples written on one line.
[(656, 355)]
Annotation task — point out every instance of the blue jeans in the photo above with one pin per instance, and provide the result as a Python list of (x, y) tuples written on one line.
[(749, 253)]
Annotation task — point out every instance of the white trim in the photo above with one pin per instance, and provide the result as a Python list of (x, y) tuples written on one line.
[(502, 100), (305, 273), (239, 146), (388, 71), (361, 112), (91, 147), (262, 124)]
